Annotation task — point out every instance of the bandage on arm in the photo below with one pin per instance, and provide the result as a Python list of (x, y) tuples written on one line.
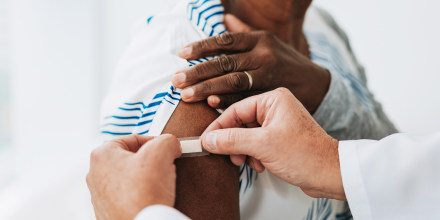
[(207, 186)]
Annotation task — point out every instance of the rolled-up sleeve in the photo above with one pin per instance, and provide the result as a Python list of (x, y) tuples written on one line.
[(345, 115)]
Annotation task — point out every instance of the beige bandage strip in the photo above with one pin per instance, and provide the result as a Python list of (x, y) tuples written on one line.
[(192, 147)]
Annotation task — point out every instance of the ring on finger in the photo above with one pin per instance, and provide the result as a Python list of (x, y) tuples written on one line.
[(251, 81)]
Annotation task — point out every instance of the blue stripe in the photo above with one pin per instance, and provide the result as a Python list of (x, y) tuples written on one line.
[(216, 24), (122, 117), (131, 109), (144, 132), (154, 104), (149, 19), (247, 178), (217, 13), (128, 125), (114, 133), (119, 125), (169, 95), (160, 95), (169, 102), (203, 29), (207, 9), (148, 114), (144, 122), (137, 103), (172, 91), (242, 169), (130, 117), (194, 8)]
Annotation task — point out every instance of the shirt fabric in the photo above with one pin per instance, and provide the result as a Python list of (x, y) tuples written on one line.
[(141, 98), (397, 177)]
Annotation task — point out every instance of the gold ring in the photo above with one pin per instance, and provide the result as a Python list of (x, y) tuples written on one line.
[(251, 82)]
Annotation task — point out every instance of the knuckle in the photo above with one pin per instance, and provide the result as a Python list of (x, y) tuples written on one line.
[(203, 88), (202, 45), (231, 139), (195, 72), (225, 39), (226, 64), (95, 154), (170, 139), (235, 81), (283, 91)]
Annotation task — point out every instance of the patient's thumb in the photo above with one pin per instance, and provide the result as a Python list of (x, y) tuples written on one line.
[(233, 141), (233, 24)]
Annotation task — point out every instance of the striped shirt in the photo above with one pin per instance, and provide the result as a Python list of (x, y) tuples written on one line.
[(141, 99)]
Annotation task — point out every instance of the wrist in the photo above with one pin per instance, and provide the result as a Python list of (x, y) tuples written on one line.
[(326, 180), (315, 87), (332, 186)]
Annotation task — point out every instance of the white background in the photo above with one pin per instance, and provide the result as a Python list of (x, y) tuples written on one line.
[(62, 54)]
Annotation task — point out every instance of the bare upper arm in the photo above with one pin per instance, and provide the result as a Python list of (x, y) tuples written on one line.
[(208, 186)]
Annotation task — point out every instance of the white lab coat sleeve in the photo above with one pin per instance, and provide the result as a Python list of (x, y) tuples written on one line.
[(397, 177), (158, 212)]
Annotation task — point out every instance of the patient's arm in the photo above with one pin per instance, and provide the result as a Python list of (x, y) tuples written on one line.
[(208, 186)]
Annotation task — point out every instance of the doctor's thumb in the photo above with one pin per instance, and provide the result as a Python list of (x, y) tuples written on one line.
[(233, 141)]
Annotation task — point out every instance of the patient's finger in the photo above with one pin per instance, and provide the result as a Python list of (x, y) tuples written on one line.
[(213, 68), (224, 101), (229, 83), (234, 24), (223, 43)]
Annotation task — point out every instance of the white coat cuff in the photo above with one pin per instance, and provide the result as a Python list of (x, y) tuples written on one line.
[(160, 212), (352, 180)]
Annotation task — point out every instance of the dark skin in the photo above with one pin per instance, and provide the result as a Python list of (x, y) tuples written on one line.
[(207, 187), (272, 49)]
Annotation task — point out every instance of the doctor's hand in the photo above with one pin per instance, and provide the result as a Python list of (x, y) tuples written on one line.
[(131, 173), (274, 131), (270, 62)]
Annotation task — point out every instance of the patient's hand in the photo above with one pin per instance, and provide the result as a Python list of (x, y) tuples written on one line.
[(271, 62)]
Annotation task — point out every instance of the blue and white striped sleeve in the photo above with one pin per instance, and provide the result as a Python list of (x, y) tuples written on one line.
[(349, 110)]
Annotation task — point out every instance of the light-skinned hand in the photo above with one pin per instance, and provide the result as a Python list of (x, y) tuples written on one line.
[(274, 131), (131, 173)]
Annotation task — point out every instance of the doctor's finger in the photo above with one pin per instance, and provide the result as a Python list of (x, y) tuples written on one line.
[(235, 141), (162, 149), (238, 160), (241, 114), (223, 43), (130, 143), (214, 68), (255, 164)]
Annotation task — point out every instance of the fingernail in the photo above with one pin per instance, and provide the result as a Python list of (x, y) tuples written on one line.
[(214, 100), (185, 52), (211, 140), (187, 93), (179, 78)]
